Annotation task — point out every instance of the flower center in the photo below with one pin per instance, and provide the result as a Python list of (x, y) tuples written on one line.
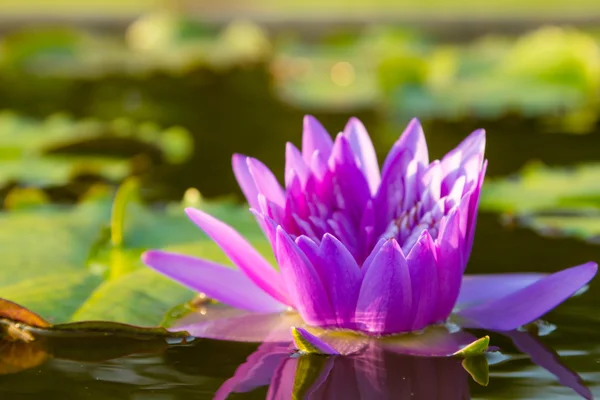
[(408, 226)]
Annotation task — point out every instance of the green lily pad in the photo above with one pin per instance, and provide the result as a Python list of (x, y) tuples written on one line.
[(19, 323), (552, 201), (56, 149), (68, 264), (538, 188)]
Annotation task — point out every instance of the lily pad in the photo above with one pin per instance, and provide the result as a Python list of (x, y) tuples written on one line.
[(552, 201), (21, 324), (56, 149), (68, 264)]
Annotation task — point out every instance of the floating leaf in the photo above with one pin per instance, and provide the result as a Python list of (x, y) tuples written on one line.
[(552, 201), (476, 348), (74, 267), (17, 313), (22, 324), (477, 367), (539, 188), (107, 328), (56, 149)]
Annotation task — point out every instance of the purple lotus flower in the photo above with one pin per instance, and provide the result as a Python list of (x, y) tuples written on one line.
[(378, 252)]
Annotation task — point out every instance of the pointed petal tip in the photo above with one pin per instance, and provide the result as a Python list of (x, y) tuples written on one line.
[(414, 125), (238, 157), (414, 121), (309, 118), (194, 213), (147, 256), (308, 343), (239, 163), (590, 265), (393, 243), (354, 121), (329, 237)]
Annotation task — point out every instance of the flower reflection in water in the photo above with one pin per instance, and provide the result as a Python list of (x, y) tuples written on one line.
[(377, 373)]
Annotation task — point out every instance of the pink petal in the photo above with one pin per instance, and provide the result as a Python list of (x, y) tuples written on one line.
[(265, 181), (362, 146), (218, 282), (473, 208), (303, 282), (315, 138), (478, 289), (340, 274), (245, 179), (385, 299), (226, 323), (411, 141), (294, 165), (474, 144), (530, 303), (422, 266), (241, 253), (350, 187), (450, 263), (257, 371), (283, 382)]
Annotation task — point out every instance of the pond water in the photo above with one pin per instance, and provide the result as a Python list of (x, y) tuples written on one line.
[(153, 370)]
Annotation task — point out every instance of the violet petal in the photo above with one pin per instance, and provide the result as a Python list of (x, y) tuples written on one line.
[(245, 179), (303, 282), (450, 264), (385, 299), (315, 138), (294, 164), (226, 323), (241, 253), (218, 282), (423, 276), (340, 274), (257, 371), (362, 146), (530, 303), (477, 289), (265, 181), (411, 140)]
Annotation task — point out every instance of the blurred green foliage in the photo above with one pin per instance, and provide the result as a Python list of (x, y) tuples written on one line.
[(53, 151), (553, 201), (464, 8), (551, 73)]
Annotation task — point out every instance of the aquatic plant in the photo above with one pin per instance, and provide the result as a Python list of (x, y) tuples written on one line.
[(374, 252)]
